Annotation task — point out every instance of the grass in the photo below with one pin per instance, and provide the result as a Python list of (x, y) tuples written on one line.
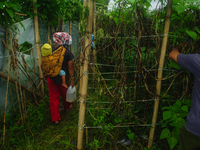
[(38, 132)]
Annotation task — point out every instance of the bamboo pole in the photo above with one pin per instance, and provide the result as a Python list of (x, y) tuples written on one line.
[(20, 90), (70, 33), (4, 121), (83, 90), (38, 43), (94, 31), (81, 56), (160, 71), (94, 22), (48, 31)]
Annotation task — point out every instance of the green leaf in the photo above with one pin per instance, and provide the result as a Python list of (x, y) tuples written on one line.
[(180, 122), (167, 114), (131, 135), (22, 25), (1, 5), (180, 8), (36, 5), (15, 6), (165, 133), (116, 19), (164, 108), (184, 108), (192, 1), (10, 12), (192, 34), (176, 133), (176, 108), (172, 141), (166, 95), (131, 1), (174, 65), (176, 1), (100, 33), (178, 102), (173, 120), (197, 29), (142, 49)]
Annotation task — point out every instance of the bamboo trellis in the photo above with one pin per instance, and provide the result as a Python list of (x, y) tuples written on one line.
[(119, 99)]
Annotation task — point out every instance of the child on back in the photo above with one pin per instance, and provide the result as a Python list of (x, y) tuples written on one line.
[(47, 50)]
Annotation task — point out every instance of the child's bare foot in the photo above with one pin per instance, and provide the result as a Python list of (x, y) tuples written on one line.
[(65, 85)]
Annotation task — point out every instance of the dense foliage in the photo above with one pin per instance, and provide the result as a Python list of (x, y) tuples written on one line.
[(48, 10)]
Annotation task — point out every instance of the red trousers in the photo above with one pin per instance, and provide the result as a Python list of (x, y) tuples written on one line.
[(54, 95)]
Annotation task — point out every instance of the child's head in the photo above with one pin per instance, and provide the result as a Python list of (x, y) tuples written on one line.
[(46, 49)]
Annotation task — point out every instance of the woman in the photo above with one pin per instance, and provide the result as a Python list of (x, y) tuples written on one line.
[(61, 40)]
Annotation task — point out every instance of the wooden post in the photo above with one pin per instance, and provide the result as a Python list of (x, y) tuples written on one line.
[(94, 51), (81, 55), (70, 33), (38, 44), (83, 90), (160, 71), (4, 121)]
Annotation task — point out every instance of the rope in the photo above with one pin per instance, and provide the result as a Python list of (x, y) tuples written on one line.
[(95, 102), (124, 126)]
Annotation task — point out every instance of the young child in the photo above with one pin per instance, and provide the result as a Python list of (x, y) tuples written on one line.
[(47, 50)]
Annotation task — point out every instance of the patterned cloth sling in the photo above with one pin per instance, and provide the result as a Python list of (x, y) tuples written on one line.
[(52, 64)]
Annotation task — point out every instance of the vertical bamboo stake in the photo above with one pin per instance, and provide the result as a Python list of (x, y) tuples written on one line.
[(4, 121), (83, 90), (20, 89), (70, 33), (94, 22), (48, 31), (94, 51), (33, 64), (81, 56), (160, 71), (38, 43)]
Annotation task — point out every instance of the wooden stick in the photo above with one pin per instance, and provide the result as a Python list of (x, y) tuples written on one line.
[(24, 104), (160, 71), (83, 90), (20, 89), (38, 43), (70, 33), (34, 64), (20, 14), (5, 44), (4, 121), (15, 76)]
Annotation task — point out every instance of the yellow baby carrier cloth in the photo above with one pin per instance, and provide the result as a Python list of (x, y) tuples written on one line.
[(52, 64)]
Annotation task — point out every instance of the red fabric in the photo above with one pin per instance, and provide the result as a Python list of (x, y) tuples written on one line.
[(54, 95)]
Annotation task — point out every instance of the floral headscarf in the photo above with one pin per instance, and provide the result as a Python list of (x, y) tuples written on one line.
[(62, 38)]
